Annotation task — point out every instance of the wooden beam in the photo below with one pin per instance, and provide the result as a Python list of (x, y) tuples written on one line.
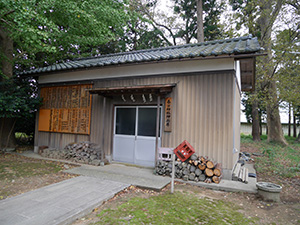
[(141, 89)]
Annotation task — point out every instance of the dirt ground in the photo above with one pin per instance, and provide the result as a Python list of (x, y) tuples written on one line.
[(15, 185), (290, 186)]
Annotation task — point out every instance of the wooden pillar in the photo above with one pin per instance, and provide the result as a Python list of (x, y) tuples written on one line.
[(103, 126), (157, 128)]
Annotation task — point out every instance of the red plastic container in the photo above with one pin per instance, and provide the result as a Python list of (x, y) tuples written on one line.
[(184, 151)]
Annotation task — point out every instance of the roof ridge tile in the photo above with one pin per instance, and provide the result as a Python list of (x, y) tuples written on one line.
[(239, 45)]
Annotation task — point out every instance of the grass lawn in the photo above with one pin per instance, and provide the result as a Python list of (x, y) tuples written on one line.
[(277, 159), (177, 208)]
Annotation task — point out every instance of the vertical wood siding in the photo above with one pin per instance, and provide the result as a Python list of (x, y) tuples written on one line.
[(202, 114)]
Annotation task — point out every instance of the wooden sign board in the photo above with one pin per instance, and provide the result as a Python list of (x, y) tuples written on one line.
[(66, 109), (44, 119), (168, 114)]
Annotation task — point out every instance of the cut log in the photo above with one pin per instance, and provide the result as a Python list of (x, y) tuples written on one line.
[(185, 177), (203, 159), (192, 176), (236, 171), (208, 180), (210, 164), (192, 169), (196, 163), (218, 170), (202, 177), (198, 172), (186, 171), (240, 176), (202, 166), (216, 179), (246, 176), (209, 172), (243, 174)]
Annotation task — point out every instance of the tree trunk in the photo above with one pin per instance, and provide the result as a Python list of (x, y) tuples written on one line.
[(6, 125), (255, 121), (275, 132), (260, 128), (298, 138), (294, 124), (6, 46), (289, 124), (269, 12), (200, 32), (7, 134)]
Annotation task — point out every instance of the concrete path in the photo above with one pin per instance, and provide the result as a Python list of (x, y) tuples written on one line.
[(137, 176), (143, 177), (59, 203)]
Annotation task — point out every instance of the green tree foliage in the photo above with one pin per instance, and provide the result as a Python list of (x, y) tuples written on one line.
[(246, 102), (36, 33), (141, 32), (287, 56), (18, 97), (46, 30), (187, 11), (18, 104)]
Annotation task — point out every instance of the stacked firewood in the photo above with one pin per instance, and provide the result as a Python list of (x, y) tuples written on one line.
[(83, 152), (194, 169)]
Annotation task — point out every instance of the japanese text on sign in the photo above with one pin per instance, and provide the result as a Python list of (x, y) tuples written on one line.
[(168, 114), (65, 109)]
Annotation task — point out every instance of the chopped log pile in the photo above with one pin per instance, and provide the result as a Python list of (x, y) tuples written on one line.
[(194, 169), (240, 172), (83, 152)]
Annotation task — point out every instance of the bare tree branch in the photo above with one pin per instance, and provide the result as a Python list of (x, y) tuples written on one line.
[(6, 14)]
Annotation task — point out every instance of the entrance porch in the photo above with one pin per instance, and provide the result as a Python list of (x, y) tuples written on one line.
[(137, 121)]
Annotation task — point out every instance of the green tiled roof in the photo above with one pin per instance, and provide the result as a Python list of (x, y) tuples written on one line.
[(235, 46)]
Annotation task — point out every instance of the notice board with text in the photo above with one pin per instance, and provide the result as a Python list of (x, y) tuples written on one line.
[(66, 109)]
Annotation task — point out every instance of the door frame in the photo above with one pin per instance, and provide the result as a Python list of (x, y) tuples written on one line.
[(136, 128)]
